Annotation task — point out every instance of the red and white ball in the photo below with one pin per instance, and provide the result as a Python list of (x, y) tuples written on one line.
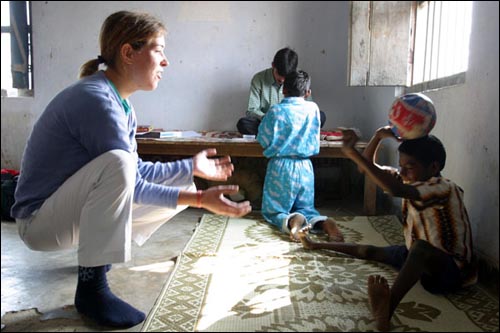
[(412, 116)]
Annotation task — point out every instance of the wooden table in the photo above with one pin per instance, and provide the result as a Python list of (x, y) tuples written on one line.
[(246, 148)]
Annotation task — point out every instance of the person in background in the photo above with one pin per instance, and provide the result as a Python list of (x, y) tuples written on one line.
[(82, 183), (289, 134), (437, 232), (266, 89)]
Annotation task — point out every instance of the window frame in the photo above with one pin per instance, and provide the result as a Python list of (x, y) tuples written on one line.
[(22, 43), (365, 44)]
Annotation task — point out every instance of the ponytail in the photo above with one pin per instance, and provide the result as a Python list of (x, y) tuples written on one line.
[(89, 68)]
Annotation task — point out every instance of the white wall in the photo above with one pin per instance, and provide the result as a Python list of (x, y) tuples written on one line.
[(467, 124), (214, 48)]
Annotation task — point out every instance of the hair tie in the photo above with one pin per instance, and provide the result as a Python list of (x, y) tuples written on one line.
[(101, 60)]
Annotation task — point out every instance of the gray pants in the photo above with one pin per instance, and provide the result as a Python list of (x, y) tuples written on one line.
[(94, 210)]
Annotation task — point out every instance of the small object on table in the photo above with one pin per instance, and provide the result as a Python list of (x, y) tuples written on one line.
[(331, 135)]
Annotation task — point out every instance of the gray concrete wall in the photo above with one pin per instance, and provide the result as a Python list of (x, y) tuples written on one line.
[(214, 48), (467, 123)]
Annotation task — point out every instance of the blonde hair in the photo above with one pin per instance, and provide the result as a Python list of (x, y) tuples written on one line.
[(120, 28)]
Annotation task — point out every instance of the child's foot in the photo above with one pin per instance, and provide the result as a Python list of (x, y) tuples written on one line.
[(379, 296), (307, 242), (295, 224), (332, 230)]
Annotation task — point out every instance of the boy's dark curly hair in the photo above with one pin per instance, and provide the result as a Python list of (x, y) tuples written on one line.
[(426, 150)]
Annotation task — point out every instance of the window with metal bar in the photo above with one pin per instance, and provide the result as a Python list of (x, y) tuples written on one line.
[(17, 78), (418, 45), (441, 42)]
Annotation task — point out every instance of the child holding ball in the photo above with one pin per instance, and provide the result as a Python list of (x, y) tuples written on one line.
[(437, 232)]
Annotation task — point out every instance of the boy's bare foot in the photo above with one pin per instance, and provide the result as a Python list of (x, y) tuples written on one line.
[(379, 296), (306, 229), (295, 224), (307, 242), (332, 230)]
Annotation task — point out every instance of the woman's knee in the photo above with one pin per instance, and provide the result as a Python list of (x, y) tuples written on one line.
[(120, 164), (45, 240)]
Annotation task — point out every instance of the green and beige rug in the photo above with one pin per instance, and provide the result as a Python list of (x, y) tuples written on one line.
[(240, 274)]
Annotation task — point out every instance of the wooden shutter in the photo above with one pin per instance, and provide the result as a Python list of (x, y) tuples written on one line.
[(381, 43)]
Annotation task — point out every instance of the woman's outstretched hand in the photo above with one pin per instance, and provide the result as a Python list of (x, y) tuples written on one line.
[(213, 200), (212, 168)]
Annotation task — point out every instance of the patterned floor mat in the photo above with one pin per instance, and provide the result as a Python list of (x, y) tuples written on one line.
[(240, 274)]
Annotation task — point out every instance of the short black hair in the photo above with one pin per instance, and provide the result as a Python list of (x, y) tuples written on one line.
[(297, 84), (285, 61), (426, 150)]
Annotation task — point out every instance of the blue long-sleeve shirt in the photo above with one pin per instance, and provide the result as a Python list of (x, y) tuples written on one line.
[(290, 129), (82, 122)]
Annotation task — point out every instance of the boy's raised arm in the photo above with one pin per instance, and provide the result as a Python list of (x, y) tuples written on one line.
[(370, 152), (381, 175)]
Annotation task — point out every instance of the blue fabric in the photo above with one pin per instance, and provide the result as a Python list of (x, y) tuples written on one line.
[(288, 189), (396, 255), (290, 129), (289, 134), (126, 105), (82, 122)]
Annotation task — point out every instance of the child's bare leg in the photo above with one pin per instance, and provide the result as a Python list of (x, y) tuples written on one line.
[(422, 258), (359, 251), (295, 224), (379, 296), (332, 230)]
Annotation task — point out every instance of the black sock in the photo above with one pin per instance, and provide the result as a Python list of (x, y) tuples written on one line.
[(95, 300)]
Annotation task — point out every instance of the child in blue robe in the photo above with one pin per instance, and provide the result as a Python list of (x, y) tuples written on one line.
[(290, 135)]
